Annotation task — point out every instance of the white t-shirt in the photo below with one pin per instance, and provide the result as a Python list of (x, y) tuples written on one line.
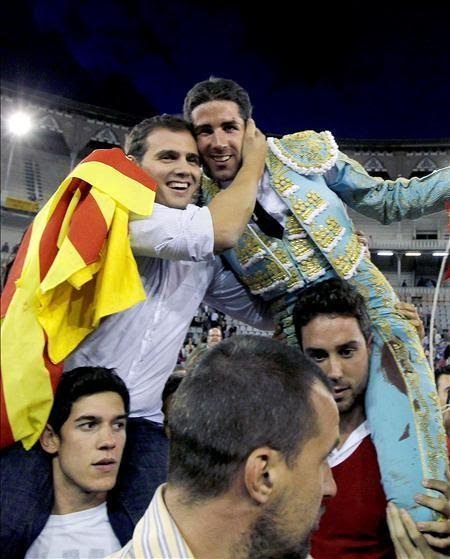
[(79, 535)]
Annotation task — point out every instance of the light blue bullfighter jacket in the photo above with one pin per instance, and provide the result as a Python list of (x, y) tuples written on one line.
[(316, 182)]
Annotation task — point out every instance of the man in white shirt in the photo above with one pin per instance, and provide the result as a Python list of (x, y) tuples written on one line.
[(142, 343), (85, 437), (176, 259)]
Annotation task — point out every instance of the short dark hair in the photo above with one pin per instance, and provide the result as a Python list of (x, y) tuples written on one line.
[(217, 89), (332, 297), (136, 140), (244, 393), (84, 381)]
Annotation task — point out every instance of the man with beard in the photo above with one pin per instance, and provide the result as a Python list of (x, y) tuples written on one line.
[(333, 329), (251, 429)]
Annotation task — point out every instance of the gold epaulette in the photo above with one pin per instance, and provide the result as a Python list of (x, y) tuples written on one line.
[(306, 152)]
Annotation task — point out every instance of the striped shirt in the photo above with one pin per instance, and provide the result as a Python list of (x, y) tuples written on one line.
[(156, 535)]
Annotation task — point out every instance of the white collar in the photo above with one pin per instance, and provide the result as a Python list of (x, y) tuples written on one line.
[(351, 444)]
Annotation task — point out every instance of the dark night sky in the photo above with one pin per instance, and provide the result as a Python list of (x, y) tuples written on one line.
[(383, 73)]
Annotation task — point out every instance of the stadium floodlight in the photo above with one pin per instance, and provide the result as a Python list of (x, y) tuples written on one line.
[(385, 253), (19, 123), (413, 253)]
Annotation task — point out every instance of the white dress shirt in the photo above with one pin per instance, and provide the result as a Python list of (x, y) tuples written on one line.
[(142, 343)]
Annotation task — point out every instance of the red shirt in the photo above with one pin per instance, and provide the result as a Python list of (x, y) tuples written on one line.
[(354, 523)]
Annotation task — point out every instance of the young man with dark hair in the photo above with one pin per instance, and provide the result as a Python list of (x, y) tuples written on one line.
[(84, 439), (301, 233), (79, 382), (251, 428), (333, 329)]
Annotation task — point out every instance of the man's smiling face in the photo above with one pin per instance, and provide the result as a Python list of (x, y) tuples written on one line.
[(219, 130), (172, 160)]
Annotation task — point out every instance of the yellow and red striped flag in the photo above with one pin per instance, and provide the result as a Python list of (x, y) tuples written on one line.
[(74, 266)]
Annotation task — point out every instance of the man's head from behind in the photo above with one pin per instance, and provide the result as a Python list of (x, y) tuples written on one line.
[(333, 329), (85, 432), (256, 417), (165, 148), (219, 109)]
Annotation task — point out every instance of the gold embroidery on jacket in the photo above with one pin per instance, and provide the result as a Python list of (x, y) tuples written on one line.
[(347, 263), (285, 186), (248, 250), (309, 209), (209, 188), (420, 403), (328, 236), (306, 150), (294, 229), (264, 280)]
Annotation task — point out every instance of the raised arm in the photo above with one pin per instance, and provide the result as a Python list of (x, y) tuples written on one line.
[(388, 200), (232, 207)]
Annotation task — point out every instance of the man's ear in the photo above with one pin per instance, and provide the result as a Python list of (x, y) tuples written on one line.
[(262, 470), (49, 440)]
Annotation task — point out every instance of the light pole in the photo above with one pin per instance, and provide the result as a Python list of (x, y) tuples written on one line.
[(18, 125)]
